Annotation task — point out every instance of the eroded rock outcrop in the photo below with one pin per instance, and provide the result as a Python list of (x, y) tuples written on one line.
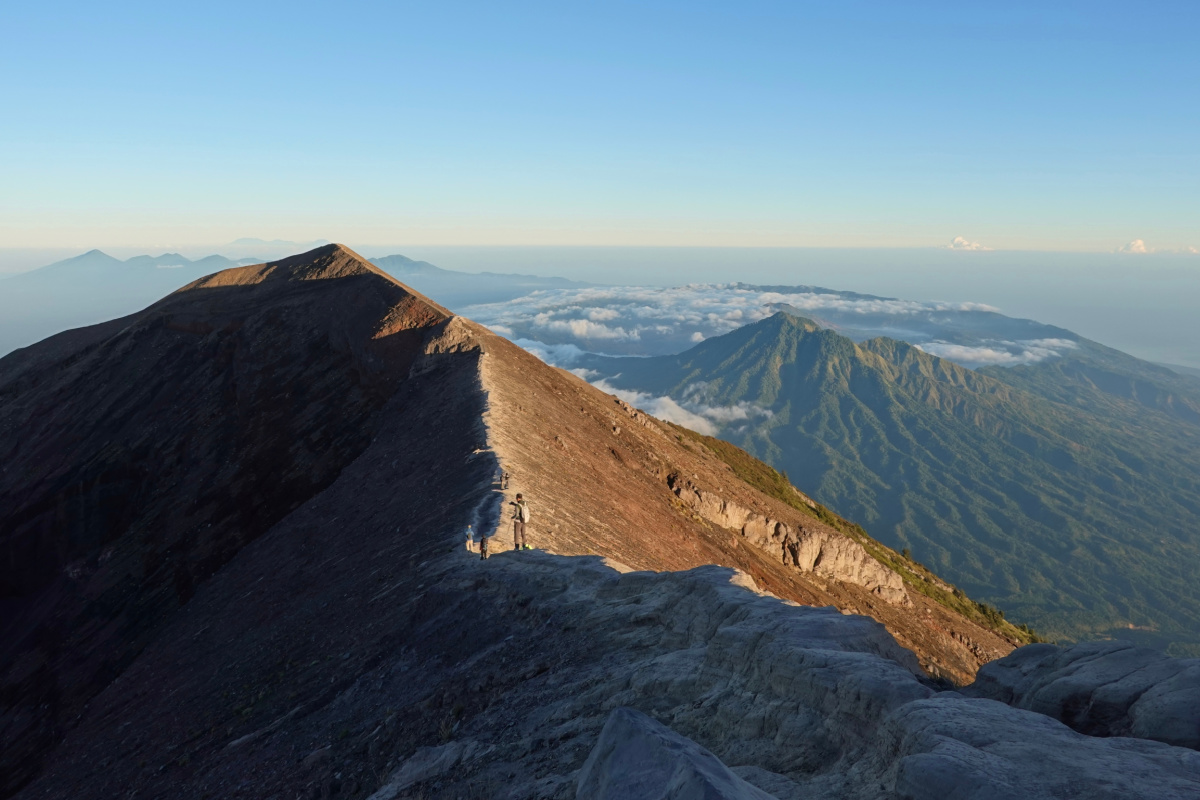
[(636, 758), (1101, 689), (808, 548)]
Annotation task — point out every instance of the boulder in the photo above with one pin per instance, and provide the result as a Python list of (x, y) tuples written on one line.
[(1101, 689), (636, 758), (951, 746)]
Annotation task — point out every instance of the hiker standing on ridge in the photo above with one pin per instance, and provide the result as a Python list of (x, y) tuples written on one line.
[(520, 516)]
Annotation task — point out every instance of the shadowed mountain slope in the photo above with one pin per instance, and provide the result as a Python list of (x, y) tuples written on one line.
[(306, 442), (1072, 504), (141, 455)]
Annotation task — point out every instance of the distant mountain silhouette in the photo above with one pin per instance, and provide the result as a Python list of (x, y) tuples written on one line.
[(1066, 492), (90, 288), (459, 289)]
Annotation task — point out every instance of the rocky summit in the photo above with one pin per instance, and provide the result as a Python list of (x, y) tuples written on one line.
[(232, 564)]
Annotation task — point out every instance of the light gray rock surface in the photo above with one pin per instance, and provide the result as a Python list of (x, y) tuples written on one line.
[(804, 700), (1101, 689), (636, 758)]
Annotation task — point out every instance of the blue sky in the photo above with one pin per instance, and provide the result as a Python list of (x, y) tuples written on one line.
[(1030, 126)]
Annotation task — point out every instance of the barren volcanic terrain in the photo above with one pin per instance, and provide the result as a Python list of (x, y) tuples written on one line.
[(233, 565)]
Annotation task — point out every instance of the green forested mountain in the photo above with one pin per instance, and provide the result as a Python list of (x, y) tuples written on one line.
[(1067, 493)]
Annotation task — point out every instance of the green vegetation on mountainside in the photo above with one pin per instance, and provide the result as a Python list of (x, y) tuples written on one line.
[(1040, 490), (916, 575)]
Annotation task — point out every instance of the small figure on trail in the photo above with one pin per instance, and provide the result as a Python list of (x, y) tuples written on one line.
[(470, 537), (503, 479), (520, 516), (483, 537)]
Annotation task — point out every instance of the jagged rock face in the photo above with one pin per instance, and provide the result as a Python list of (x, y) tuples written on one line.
[(1102, 689), (139, 458), (809, 547)]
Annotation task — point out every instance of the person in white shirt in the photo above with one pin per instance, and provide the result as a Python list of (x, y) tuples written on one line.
[(520, 517)]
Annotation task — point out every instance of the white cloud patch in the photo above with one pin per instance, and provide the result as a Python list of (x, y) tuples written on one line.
[(694, 399), (690, 410), (662, 407), (961, 243), (1192, 250), (1137, 247), (999, 352), (585, 328), (559, 355)]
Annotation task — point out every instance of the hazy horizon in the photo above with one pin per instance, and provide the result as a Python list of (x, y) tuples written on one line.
[(1143, 304)]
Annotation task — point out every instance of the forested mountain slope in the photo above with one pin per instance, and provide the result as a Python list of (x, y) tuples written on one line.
[(1069, 506)]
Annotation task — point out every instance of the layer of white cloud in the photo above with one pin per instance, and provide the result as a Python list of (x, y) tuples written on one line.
[(960, 243), (999, 353), (601, 315)]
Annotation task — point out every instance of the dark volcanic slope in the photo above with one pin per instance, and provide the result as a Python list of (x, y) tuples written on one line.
[(140, 455)]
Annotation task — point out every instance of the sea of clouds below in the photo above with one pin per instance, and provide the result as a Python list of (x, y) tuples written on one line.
[(646, 321)]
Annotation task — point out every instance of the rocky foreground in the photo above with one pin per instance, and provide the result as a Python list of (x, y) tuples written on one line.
[(659, 643)]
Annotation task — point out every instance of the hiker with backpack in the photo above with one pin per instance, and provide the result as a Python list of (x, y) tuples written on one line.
[(520, 516), (483, 540)]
